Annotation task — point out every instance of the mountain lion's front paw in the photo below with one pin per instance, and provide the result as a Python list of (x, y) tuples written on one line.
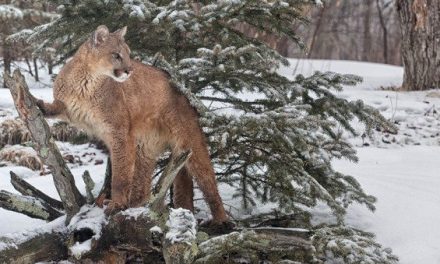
[(99, 201), (217, 228), (113, 207)]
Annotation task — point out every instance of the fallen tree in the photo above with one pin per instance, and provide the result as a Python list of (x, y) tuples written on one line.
[(152, 234)]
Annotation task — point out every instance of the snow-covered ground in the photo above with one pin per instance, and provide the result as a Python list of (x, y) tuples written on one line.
[(400, 170), (406, 182)]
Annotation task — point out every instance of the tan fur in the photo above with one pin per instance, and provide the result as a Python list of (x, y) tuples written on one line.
[(138, 119)]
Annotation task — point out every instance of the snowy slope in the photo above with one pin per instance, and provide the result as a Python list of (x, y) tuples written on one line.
[(400, 170), (406, 182)]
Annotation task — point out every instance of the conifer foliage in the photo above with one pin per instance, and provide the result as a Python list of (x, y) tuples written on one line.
[(270, 137)]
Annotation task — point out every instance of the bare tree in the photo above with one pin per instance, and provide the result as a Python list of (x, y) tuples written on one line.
[(367, 30)]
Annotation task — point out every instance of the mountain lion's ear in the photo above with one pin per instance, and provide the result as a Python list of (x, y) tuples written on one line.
[(121, 32), (100, 35)]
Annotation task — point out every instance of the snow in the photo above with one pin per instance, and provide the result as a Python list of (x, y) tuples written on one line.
[(181, 226), (156, 229), (135, 212), (89, 217), (78, 249), (9, 12), (400, 170), (282, 228), (92, 218), (406, 182)]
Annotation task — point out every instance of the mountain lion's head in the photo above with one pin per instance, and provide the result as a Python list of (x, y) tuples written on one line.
[(111, 52)]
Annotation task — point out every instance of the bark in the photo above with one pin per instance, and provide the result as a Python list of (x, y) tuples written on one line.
[(420, 27), (45, 146)]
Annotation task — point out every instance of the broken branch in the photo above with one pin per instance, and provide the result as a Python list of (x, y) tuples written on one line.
[(90, 184), (25, 188), (167, 179), (105, 192), (45, 145), (27, 205)]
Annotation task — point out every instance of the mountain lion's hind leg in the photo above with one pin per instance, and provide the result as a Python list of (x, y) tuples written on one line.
[(183, 190), (200, 167)]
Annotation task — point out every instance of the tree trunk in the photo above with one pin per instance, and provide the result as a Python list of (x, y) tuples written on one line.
[(366, 51), (316, 31), (7, 59), (384, 27), (37, 78), (50, 66), (420, 26)]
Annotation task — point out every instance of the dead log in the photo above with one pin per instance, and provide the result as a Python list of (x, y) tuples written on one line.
[(44, 144), (28, 205), (250, 247), (93, 237), (30, 247), (26, 189)]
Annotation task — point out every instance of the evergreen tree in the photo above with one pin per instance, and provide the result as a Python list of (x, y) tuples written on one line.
[(19, 15), (273, 138)]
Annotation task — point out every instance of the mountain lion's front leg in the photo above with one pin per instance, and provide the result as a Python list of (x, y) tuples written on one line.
[(54, 109), (122, 154)]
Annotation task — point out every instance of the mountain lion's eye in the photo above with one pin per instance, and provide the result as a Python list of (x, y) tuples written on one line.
[(116, 56)]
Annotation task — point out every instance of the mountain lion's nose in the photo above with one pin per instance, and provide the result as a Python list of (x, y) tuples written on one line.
[(128, 70)]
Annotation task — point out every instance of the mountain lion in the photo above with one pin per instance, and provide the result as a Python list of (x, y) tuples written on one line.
[(135, 111)]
